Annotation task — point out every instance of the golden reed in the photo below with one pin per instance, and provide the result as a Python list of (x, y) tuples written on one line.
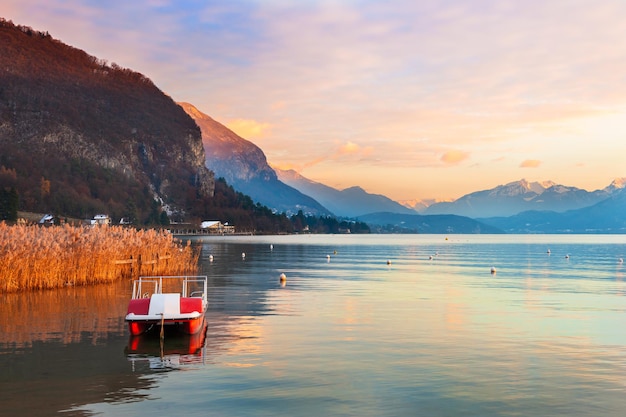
[(34, 257)]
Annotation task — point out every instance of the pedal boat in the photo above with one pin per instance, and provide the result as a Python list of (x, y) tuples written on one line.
[(160, 302)]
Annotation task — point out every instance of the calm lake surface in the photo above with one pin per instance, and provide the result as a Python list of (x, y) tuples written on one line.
[(347, 335)]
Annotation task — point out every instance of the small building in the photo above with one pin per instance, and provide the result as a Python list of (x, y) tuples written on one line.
[(102, 219), (215, 226), (47, 220), (210, 224), (98, 220)]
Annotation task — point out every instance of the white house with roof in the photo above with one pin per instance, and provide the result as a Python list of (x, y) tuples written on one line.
[(215, 226), (102, 219), (98, 220)]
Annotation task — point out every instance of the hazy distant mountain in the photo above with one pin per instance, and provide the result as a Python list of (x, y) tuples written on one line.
[(351, 202), (420, 206), (416, 223), (519, 196), (607, 216), (416, 205), (244, 166)]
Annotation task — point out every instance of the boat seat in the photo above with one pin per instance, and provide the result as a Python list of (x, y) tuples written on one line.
[(191, 304), (139, 306), (166, 304)]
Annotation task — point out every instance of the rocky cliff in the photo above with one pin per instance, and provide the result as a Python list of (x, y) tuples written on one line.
[(244, 165)]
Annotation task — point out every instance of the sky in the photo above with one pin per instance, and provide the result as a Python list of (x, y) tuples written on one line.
[(415, 99)]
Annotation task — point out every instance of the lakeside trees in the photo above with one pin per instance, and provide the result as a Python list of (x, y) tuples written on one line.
[(9, 202)]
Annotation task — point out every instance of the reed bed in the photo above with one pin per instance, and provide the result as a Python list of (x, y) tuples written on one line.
[(33, 257)]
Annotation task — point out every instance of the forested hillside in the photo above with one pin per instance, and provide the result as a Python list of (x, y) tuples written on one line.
[(79, 136)]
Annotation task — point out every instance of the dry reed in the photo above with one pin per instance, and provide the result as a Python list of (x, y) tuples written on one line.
[(33, 257)]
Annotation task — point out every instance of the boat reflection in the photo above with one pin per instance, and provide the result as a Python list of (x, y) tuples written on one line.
[(174, 350)]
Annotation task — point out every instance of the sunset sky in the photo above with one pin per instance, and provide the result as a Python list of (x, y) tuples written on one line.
[(411, 99)]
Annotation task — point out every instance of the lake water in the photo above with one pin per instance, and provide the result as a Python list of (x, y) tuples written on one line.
[(349, 334)]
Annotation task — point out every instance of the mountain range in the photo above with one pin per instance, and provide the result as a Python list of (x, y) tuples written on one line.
[(351, 202), (80, 136), (244, 165), (516, 197), (606, 216), (516, 207)]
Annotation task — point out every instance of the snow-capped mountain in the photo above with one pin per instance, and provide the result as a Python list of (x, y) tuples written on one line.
[(418, 205), (616, 185), (518, 196), (607, 216)]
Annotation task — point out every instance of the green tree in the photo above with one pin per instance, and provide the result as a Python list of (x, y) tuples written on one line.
[(155, 214), (299, 221), (130, 212)]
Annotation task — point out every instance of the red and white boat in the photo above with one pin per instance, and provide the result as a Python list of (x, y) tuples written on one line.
[(158, 302)]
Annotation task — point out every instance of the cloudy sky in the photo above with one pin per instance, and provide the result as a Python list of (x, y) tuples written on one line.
[(412, 99)]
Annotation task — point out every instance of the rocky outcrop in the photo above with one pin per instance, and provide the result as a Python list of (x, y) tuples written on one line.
[(244, 165)]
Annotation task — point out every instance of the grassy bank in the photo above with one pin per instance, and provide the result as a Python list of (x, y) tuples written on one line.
[(33, 257)]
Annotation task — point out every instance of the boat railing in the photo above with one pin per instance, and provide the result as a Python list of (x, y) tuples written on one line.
[(192, 285)]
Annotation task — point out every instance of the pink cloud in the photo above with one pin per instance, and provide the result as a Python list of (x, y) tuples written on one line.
[(347, 151), (530, 163), (349, 148), (454, 157)]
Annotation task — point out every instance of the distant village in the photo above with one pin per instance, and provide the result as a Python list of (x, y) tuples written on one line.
[(207, 227)]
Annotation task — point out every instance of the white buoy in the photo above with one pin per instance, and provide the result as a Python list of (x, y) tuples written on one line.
[(243, 255), (210, 258), (283, 277), (548, 252), (621, 260), (328, 258), (388, 262), (567, 256), (493, 270), (430, 258), (271, 247)]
